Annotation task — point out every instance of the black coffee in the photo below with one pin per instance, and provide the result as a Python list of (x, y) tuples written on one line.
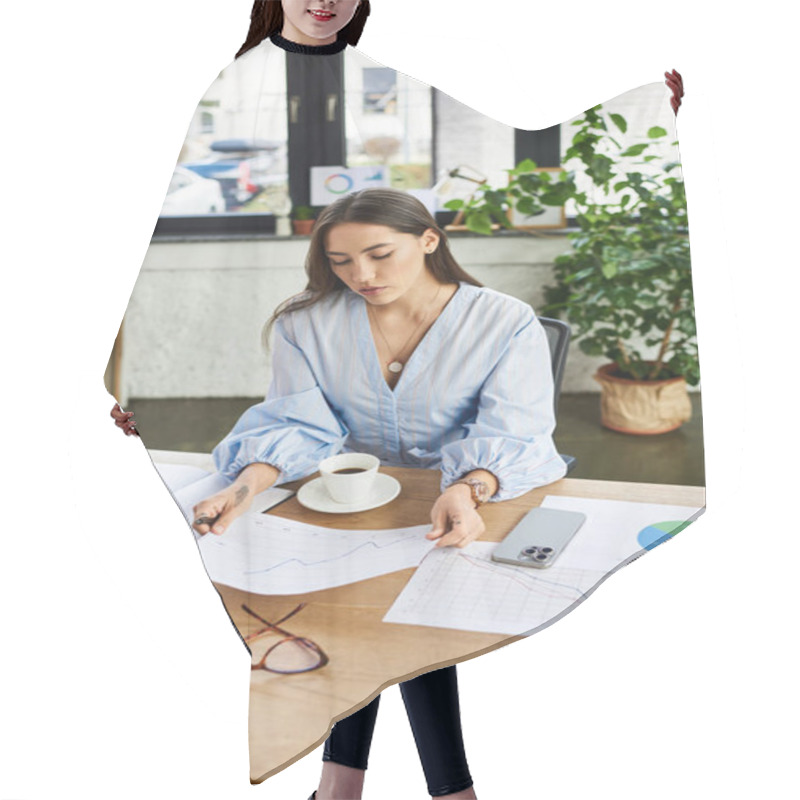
[(348, 471)]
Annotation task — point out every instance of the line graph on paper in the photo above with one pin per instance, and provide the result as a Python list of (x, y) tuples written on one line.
[(466, 590), (272, 555), (332, 550)]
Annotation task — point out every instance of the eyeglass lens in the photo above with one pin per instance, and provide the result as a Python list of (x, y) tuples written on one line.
[(288, 655)]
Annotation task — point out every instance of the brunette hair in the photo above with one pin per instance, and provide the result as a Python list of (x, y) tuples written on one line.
[(393, 208), (266, 18)]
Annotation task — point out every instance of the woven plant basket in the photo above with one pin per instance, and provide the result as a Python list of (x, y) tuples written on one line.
[(644, 408)]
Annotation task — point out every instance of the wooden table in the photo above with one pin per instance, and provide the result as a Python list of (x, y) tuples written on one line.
[(290, 715)]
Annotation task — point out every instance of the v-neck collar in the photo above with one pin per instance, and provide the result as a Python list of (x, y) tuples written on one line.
[(422, 352)]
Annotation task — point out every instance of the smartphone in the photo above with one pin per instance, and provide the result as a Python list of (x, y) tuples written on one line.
[(539, 538)]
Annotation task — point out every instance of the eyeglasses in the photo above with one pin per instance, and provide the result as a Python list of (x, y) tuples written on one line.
[(290, 655)]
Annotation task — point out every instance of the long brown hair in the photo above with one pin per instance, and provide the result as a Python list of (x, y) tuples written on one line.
[(393, 208), (266, 18)]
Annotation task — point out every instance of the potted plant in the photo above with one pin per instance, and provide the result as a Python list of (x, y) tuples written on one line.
[(527, 190), (626, 285), (302, 220)]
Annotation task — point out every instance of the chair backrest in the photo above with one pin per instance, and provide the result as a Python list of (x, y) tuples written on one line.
[(558, 336)]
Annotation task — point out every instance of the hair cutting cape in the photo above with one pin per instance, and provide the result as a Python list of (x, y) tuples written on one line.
[(346, 602)]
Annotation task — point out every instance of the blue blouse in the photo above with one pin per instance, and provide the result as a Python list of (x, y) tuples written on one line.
[(476, 393)]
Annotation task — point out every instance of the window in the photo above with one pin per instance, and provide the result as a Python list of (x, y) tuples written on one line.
[(388, 122), (258, 132), (236, 153), (380, 90)]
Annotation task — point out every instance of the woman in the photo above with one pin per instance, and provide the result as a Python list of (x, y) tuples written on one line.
[(476, 393), (393, 349)]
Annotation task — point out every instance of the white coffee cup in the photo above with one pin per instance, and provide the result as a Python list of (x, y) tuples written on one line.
[(345, 486)]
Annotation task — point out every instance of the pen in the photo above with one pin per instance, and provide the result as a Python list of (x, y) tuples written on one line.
[(206, 520)]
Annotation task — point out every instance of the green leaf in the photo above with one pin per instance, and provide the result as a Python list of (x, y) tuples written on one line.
[(609, 269), (600, 169), (480, 223), (496, 197), (501, 217), (636, 264), (528, 205), (579, 275), (619, 121), (635, 150), (556, 196), (454, 205), (526, 165), (590, 347), (656, 131)]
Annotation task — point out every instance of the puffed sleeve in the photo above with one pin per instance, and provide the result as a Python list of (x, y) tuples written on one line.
[(293, 429), (512, 434)]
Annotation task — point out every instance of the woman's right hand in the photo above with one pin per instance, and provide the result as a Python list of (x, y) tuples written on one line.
[(217, 512)]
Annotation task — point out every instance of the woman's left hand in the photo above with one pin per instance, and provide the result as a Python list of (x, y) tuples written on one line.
[(124, 420), (455, 519)]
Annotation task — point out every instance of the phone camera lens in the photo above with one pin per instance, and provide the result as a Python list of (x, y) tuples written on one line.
[(541, 557), (547, 549), (529, 551)]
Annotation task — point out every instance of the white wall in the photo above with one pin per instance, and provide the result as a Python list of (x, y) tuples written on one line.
[(193, 324)]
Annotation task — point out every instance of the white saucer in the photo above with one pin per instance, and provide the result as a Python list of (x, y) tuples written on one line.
[(315, 496)]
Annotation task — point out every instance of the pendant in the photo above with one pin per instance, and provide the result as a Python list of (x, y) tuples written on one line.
[(395, 367)]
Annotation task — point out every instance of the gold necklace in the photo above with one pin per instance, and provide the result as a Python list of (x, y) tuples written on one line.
[(394, 364)]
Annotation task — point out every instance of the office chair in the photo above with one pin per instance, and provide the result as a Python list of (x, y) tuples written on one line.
[(558, 336)]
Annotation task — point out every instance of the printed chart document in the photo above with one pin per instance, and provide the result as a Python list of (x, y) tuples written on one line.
[(464, 589), (271, 555)]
